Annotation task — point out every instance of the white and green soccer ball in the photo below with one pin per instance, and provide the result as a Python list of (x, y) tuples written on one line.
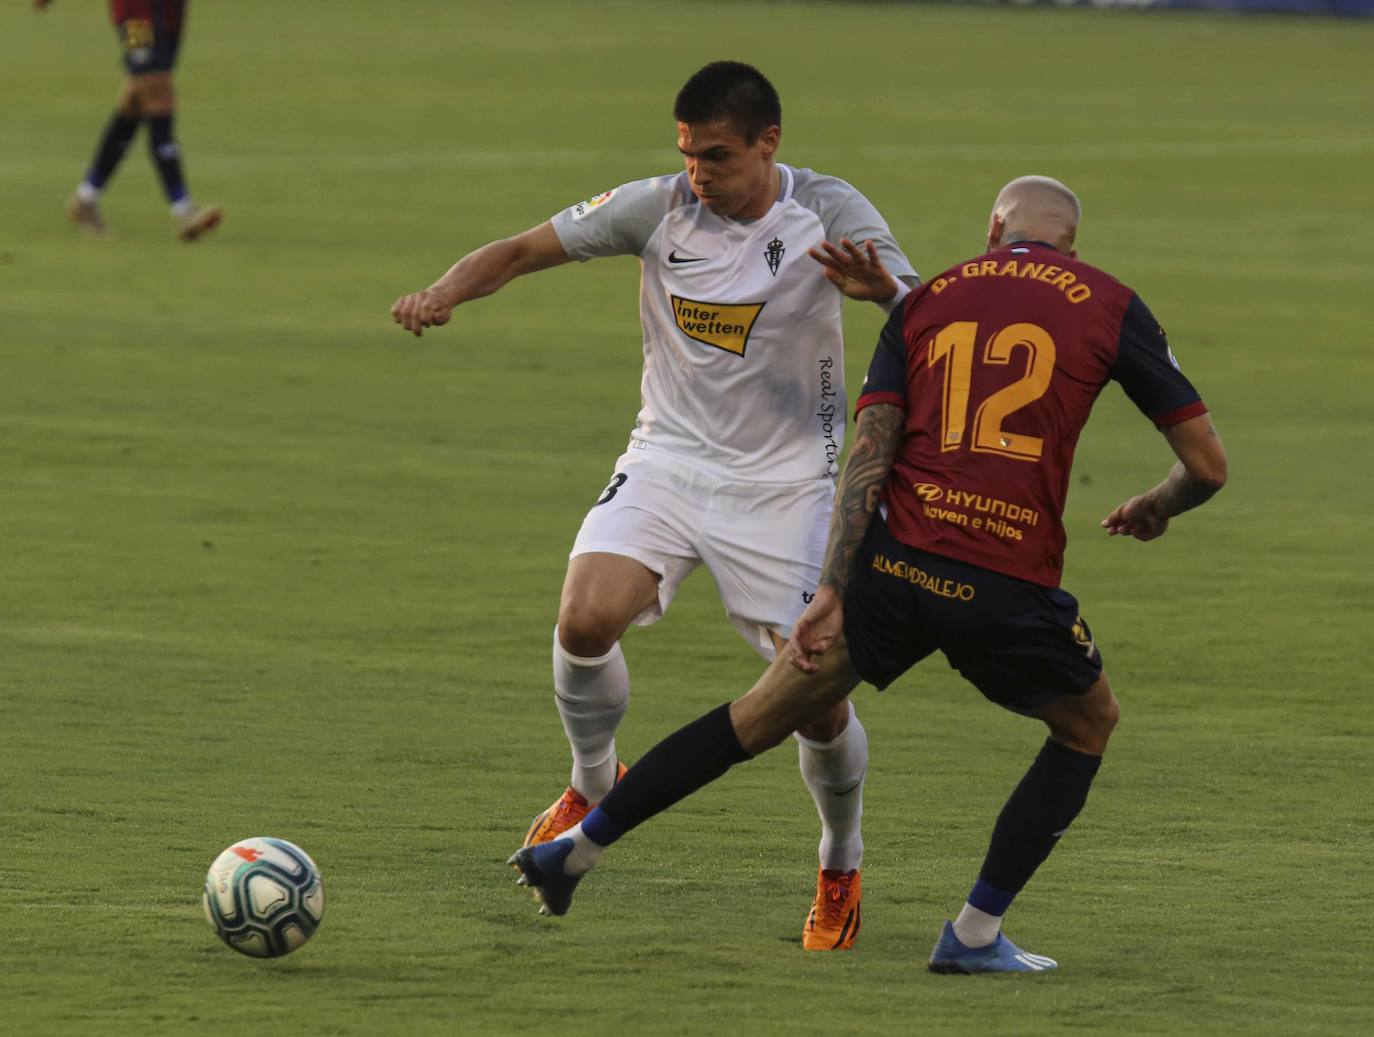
[(264, 897)]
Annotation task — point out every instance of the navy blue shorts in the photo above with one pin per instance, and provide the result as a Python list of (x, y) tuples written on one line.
[(149, 33), (1020, 644)]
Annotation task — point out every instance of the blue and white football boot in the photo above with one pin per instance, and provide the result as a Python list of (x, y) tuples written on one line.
[(541, 868), (951, 956)]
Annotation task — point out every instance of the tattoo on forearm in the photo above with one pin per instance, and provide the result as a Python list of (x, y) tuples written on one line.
[(875, 445), (1179, 493)]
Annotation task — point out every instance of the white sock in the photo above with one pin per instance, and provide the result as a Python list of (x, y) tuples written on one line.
[(86, 192), (585, 854), (592, 695), (183, 207), (834, 772), (976, 928)]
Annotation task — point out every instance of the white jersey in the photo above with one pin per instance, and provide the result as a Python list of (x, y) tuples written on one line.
[(743, 344)]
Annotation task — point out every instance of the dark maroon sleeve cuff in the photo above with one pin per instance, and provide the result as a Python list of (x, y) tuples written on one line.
[(1175, 417), (870, 398)]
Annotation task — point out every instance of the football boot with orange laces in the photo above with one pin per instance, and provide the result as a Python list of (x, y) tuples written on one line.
[(567, 810), (837, 914)]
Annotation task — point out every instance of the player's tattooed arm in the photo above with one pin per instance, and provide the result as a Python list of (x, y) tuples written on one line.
[(1198, 475), (870, 461)]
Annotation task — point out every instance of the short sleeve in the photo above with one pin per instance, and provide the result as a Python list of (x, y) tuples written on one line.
[(886, 380), (1146, 368), (846, 213), (618, 222)]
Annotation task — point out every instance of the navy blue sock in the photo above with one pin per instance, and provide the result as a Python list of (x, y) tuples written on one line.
[(687, 759), (166, 156), (119, 132), (1039, 811)]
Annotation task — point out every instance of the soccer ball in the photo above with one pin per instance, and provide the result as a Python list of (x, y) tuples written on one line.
[(264, 897)]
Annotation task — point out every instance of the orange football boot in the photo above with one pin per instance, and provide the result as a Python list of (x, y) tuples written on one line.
[(837, 915), (569, 809)]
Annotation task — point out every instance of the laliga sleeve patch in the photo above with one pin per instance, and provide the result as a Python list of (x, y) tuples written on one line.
[(581, 209)]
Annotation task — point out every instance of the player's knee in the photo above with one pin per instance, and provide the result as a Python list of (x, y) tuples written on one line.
[(128, 104), (1102, 722), (1111, 715), (585, 631), (1089, 727), (153, 92), (827, 726), (758, 730)]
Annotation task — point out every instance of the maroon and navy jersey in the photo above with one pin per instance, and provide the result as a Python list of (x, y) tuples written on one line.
[(149, 32), (167, 13), (997, 363)]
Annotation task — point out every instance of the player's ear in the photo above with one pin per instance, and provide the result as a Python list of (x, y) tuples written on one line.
[(770, 138), (995, 228)]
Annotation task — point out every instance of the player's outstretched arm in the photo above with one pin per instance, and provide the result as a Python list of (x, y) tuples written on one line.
[(858, 273), (870, 460), (1199, 473), (478, 274)]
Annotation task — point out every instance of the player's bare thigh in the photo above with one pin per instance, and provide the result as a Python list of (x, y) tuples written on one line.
[(786, 700), (152, 92), (128, 103), (1083, 722), (827, 726), (602, 594)]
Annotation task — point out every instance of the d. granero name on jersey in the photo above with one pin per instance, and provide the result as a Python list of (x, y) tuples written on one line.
[(1074, 290), (723, 325)]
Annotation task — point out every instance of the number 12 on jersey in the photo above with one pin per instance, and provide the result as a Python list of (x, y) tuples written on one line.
[(955, 345)]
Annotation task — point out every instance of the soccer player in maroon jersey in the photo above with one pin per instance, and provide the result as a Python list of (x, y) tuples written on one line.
[(981, 383), (149, 33)]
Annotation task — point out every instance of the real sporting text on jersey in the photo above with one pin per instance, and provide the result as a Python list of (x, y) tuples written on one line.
[(997, 363)]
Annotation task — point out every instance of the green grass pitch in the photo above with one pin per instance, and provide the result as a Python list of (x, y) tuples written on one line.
[(272, 568)]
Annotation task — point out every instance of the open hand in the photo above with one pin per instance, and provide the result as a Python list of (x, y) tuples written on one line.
[(858, 273)]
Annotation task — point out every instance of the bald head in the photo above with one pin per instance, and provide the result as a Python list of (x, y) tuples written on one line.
[(1034, 208)]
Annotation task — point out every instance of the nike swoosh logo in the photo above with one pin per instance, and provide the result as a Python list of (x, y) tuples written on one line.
[(673, 257)]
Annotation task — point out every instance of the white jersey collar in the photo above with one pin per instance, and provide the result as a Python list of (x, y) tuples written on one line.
[(785, 186)]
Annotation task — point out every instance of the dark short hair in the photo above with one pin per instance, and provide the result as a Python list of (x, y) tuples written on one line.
[(733, 92)]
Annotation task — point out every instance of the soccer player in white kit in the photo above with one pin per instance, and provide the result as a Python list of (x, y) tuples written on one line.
[(734, 454)]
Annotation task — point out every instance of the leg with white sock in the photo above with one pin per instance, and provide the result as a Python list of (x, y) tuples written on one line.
[(592, 696), (833, 751), (833, 770), (685, 761), (602, 595)]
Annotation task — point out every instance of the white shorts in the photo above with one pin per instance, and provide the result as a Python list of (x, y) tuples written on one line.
[(763, 542)]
